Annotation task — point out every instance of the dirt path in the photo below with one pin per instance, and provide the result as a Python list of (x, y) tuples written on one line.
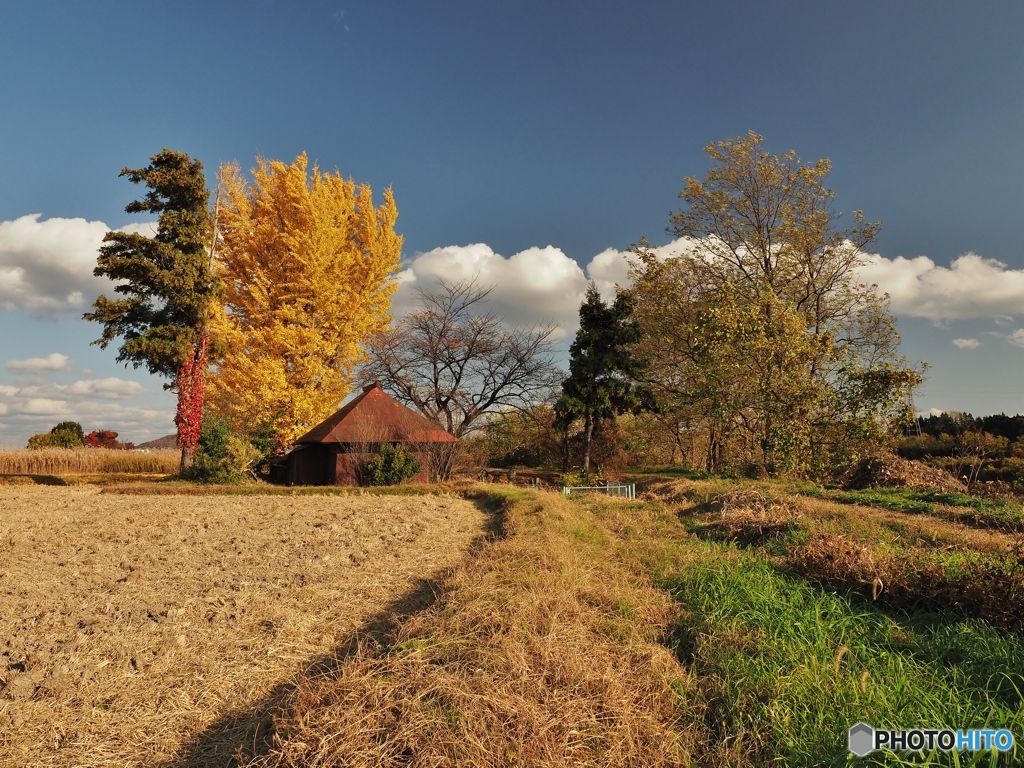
[(129, 624)]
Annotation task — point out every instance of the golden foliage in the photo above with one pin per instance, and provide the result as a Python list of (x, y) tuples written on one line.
[(307, 263)]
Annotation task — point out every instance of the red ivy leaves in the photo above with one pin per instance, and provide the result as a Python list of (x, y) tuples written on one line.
[(191, 388)]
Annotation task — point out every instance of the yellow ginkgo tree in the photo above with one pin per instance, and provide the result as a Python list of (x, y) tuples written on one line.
[(308, 267)]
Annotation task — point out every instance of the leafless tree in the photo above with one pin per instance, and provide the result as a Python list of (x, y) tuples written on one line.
[(454, 360)]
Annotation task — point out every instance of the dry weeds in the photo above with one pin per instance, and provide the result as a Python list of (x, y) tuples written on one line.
[(989, 588), (63, 461), (135, 628), (544, 650), (891, 471)]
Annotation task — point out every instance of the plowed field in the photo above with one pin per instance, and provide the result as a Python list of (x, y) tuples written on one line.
[(130, 625)]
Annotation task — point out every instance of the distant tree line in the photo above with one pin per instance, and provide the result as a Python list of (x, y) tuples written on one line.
[(69, 434), (956, 422)]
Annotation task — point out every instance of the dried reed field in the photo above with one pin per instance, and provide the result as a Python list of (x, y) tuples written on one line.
[(62, 461), (134, 627)]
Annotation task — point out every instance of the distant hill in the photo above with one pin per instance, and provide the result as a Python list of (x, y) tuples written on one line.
[(170, 441)]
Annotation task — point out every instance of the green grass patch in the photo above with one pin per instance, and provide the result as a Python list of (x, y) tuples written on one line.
[(786, 668)]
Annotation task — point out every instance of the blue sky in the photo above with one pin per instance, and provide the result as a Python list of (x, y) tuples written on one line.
[(555, 131)]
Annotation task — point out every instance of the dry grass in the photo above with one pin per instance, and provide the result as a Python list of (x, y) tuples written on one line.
[(137, 630), (544, 650), (62, 461)]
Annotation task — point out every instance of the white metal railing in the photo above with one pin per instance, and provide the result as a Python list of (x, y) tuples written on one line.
[(628, 491)]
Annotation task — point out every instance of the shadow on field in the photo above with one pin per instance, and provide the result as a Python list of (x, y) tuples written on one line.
[(28, 479), (243, 735)]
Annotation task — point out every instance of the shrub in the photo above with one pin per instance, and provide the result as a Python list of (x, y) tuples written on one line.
[(223, 456), (67, 434), (577, 478), (73, 432), (391, 466)]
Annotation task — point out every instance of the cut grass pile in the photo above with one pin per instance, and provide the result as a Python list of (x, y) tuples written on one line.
[(543, 650), (961, 582), (61, 461), (137, 630)]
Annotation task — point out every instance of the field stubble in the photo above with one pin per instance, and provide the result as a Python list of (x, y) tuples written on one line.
[(131, 624)]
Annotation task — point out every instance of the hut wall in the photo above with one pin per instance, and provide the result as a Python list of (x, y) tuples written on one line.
[(312, 466), (346, 468)]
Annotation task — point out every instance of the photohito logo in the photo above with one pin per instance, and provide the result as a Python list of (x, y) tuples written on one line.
[(862, 739)]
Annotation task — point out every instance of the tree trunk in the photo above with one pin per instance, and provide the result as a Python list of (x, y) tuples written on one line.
[(185, 464), (711, 456), (566, 463), (588, 431)]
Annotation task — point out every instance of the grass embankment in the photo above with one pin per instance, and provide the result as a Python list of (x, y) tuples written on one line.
[(543, 650), (917, 561)]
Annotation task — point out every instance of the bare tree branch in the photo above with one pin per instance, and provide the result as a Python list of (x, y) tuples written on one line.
[(454, 360)]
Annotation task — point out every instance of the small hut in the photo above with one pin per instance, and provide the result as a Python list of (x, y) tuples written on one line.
[(333, 452)]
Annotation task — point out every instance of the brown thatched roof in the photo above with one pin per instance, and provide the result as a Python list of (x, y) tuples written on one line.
[(376, 417)]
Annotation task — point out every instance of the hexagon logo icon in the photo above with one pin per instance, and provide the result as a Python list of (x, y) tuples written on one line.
[(861, 739)]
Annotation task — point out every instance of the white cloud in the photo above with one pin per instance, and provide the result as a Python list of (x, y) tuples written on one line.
[(46, 265), (530, 287), (971, 287), (966, 343), (1016, 338), (107, 389), (101, 389), (54, 362), (545, 282), (147, 228), (610, 268), (42, 406)]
